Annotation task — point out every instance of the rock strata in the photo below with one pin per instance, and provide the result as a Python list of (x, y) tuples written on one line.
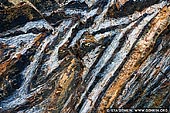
[(84, 56)]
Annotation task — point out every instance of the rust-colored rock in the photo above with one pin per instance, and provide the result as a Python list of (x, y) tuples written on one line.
[(86, 56)]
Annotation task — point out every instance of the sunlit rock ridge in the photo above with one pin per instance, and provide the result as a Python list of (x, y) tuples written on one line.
[(84, 56)]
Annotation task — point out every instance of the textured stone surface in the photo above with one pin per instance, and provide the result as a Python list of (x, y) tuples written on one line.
[(84, 56)]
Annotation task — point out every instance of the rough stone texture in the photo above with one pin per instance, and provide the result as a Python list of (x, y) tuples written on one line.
[(69, 56)]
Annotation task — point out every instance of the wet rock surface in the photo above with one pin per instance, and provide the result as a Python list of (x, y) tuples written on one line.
[(84, 56)]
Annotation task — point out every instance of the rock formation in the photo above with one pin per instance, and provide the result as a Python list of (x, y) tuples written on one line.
[(84, 56)]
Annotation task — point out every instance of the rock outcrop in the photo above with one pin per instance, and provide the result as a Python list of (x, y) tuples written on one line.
[(69, 56)]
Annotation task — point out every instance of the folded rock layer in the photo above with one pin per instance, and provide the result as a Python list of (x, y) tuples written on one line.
[(84, 56)]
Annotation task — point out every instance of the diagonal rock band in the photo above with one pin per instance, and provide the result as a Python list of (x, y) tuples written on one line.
[(84, 56)]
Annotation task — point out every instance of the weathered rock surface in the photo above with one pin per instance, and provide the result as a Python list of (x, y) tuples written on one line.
[(69, 56)]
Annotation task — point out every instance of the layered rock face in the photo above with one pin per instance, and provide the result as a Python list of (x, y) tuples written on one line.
[(84, 56)]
